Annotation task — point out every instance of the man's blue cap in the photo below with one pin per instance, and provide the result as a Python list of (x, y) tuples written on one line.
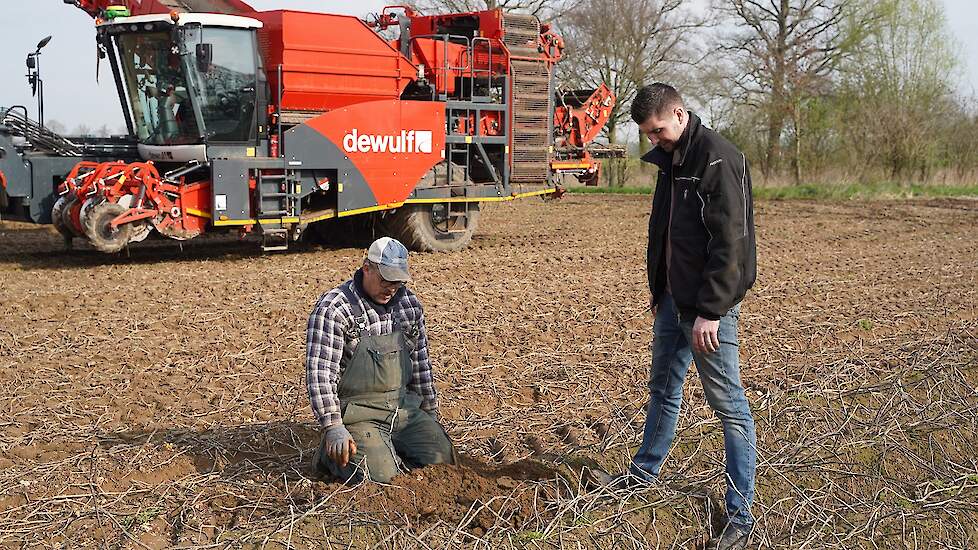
[(391, 257)]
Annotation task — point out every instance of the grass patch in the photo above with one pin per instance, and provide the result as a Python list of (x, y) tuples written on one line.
[(877, 190), (142, 517), (528, 536), (814, 191)]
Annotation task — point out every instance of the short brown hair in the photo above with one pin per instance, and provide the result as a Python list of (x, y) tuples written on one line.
[(654, 99)]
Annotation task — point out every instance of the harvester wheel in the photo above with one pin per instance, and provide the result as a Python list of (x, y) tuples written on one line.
[(99, 229), (69, 215), (57, 217), (433, 227), (86, 210)]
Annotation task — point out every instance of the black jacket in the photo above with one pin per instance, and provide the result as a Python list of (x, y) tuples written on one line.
[(713, 260)]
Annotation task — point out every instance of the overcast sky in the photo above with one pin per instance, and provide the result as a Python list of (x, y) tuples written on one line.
[(68, 62)]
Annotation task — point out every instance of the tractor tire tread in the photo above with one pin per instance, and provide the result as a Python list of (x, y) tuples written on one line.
[(57, 217), (101, 215), (412, 226)]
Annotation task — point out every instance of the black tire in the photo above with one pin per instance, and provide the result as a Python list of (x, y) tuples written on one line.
[(57, 216), (86, 209), (99, 229), (66, 217), (422, 227)]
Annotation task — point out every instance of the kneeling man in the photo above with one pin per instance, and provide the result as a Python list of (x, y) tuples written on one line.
[(369, 376)]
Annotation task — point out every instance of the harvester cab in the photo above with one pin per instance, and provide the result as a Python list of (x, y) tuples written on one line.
[(188, 81)]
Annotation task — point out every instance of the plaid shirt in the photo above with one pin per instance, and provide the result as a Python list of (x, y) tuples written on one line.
[(329, 348)]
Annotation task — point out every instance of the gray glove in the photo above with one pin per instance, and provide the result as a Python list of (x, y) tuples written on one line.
[(339, 444)]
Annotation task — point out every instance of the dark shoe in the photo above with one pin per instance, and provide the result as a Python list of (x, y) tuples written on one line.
[(599, 479), (733, 537)]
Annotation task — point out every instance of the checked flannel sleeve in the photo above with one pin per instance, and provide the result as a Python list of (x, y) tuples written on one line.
[(324, 350)]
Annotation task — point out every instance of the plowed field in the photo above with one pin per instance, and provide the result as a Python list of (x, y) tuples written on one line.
[(158, 400)]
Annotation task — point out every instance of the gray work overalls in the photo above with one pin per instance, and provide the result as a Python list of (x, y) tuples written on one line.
[(391, 431)]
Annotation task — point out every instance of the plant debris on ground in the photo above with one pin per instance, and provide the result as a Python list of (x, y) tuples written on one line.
[(158, 400)]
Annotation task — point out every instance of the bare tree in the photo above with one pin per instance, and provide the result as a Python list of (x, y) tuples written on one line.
[(899, 100), (82, 130), (785, 51)]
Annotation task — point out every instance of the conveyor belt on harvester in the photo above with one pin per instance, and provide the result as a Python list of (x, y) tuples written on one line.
[(532, 100)]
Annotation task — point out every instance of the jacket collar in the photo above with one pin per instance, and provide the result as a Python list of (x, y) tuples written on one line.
[(664, 159)]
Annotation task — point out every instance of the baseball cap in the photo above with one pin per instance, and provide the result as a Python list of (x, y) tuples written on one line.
[(391, 257)]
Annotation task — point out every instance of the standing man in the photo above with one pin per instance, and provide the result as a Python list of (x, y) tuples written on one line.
[(369, 377), (701, 261)]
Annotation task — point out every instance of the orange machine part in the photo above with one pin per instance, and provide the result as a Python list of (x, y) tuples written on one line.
[(197, 197), (329, 61), (581, 124), (443, 62), (391, 175), (74, 216)]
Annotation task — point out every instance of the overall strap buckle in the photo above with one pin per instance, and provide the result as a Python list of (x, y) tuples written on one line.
[(410, 330), (359, 316)]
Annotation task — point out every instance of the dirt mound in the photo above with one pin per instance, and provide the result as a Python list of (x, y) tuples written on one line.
[(474, 494)]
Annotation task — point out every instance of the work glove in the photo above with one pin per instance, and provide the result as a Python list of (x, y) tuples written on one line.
[(340, 445)]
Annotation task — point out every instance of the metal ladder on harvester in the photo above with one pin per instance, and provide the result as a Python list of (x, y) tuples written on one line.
[(276, 196), (532, 101)]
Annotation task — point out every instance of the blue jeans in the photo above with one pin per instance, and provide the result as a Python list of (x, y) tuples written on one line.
[(720, 375)]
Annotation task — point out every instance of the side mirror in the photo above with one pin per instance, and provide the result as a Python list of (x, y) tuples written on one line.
[(205, 55)]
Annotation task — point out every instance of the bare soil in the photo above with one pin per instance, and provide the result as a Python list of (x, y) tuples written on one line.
[(158, 400)]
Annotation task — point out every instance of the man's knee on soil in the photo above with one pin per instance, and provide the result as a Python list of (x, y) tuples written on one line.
[(366, 467), (374, 460), (438, 454), (425, 443), (361, 471)]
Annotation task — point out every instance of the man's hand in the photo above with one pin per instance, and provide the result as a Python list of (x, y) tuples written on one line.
[(652, 306), (340, 445), (705, 336)]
